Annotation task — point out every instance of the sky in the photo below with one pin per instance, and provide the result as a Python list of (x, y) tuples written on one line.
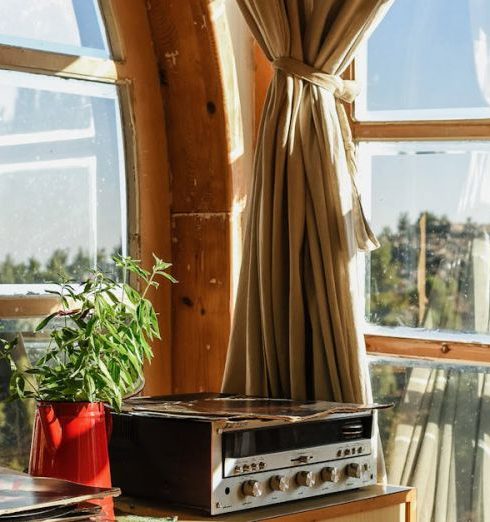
[(421, 56)]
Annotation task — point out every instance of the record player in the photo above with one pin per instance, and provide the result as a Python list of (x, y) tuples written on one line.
[(224, 453)]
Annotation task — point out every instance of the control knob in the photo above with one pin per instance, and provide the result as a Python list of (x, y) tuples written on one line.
[(279, 483), (305, 478), (330, 474), (354, 470), (252, 488)]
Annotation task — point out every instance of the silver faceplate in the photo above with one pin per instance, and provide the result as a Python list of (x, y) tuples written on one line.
[(228, 495), (227, 492)]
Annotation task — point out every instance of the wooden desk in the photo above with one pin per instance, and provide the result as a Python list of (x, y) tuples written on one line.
[(370, 504)]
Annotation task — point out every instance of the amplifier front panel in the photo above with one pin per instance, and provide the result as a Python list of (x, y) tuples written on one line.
[(262, 488)]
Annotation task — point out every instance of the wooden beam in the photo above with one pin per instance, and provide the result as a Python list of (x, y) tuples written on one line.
[(201, 300), (194, 100), (147, 150), (203, 155)]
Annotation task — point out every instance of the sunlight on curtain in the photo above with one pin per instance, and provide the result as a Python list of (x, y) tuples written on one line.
[(437, 438), (481, 282)]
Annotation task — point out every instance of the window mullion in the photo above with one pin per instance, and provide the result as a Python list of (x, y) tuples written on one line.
[(428, 348), (28, 306), (66, 66), (423, 130)]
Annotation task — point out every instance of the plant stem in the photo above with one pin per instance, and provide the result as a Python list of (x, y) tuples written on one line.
[(148, 284), (35, 389)]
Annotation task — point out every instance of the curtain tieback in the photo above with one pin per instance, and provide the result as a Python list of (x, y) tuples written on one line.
[(343, 90)]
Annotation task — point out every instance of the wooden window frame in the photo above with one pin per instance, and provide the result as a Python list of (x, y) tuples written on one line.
[(442, 348), (134, 70)]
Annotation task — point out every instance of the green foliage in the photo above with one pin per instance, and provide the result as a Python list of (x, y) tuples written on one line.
[(394, 297), (393, 292), (59, 265), (99, 341)]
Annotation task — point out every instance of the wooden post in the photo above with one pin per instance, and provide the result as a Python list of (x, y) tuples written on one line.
[(421, 270), (138, 72), (204, 152)]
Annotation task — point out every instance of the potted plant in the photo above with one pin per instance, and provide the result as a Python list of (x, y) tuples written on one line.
[(99, 341)]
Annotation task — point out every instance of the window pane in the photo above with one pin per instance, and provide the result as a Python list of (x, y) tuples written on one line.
[(62, 180), (427, 60), (16, 418), (437, 436), (64, 26), (430, 207)]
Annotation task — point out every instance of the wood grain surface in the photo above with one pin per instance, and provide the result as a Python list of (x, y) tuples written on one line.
[(370, 504), (203, 130)]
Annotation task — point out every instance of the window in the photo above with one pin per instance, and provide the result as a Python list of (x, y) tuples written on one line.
[(80, 165), (62, 151), (65, 26), (423, 130), (430, 208), (427, 61)]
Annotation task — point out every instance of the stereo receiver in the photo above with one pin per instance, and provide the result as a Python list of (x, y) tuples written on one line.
[(224, 453)]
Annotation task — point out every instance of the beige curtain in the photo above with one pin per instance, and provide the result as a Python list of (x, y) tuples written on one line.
[(440, 442), (295, 331), (480, 29)]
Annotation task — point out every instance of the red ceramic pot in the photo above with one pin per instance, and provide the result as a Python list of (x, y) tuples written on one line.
[(70, 441)]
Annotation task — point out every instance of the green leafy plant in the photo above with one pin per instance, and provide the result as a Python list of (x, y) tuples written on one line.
[(98, 342)]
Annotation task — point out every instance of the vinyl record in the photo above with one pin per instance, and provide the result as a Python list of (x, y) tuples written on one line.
[(38, 514)]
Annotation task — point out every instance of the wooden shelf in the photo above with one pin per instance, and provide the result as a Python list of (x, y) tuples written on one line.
[(370, 504)]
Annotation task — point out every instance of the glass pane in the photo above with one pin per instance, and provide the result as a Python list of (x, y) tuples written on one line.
[(430, 207), (16, 418), (64, 26), (427, 60), (437, 436), (62, 180)]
